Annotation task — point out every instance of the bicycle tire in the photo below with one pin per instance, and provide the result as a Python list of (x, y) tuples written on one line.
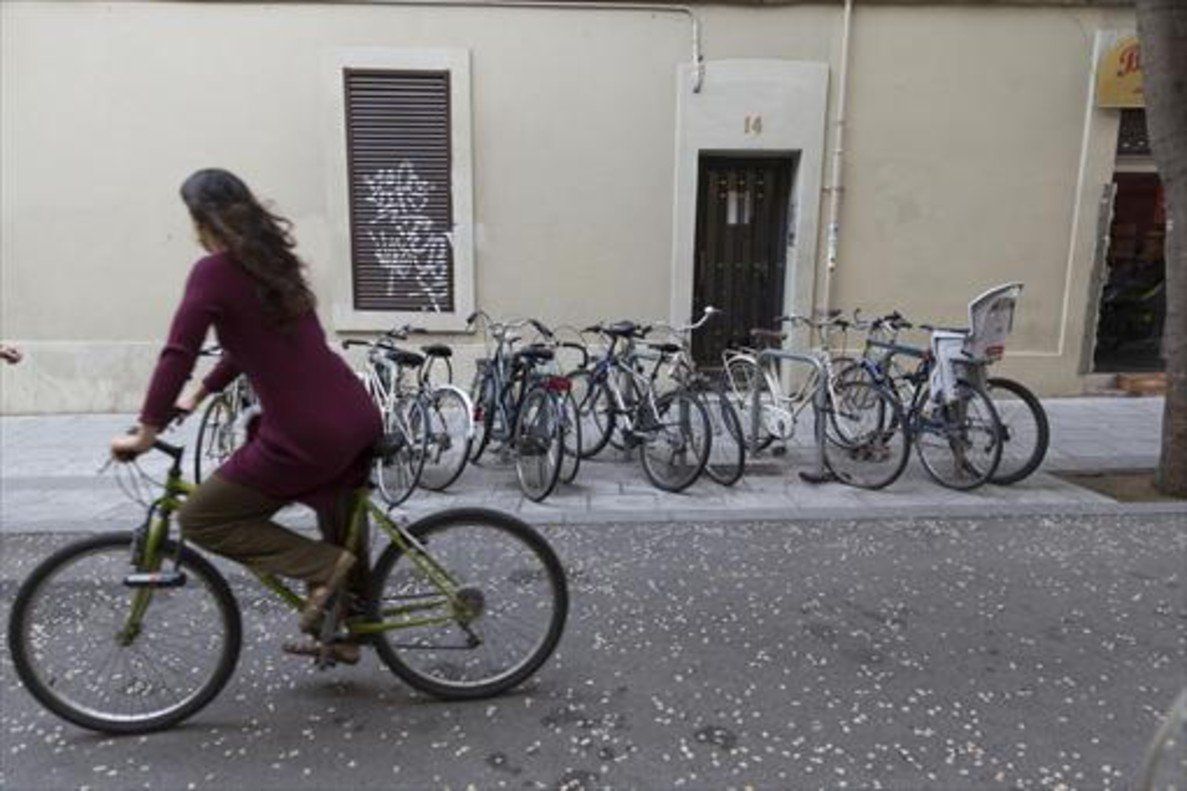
[(538, 404), (571, 439), (422, 530), (853, 445), (1042, 428), (628, 388), (693, 471), (193, 563), (970, 393), (595, 434), (410, 455), (218, 402), (743, 376), (726, 426), (482, 396), (435, 477)]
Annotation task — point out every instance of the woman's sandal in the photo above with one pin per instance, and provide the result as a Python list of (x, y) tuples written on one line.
[(343, 652), (319, 597)]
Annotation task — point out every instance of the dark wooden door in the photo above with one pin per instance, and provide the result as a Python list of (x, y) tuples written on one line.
[(741, 248)]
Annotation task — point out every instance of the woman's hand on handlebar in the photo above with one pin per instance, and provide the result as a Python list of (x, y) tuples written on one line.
[(126, 447)]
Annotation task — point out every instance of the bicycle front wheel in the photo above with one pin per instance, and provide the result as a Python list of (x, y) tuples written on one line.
[(571, 438), (959, 443), (79, 650), (511, 604), (867, 444), (675, 440), (1025, 430)]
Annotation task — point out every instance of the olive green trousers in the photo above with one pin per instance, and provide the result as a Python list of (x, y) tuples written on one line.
[(234, 521)]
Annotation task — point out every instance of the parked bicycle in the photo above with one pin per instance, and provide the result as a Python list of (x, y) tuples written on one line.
[(864, 441), (431, 421), (1024, 432), (727, 447), (523, 406), (671, 431), (135, 631), (225, 422)]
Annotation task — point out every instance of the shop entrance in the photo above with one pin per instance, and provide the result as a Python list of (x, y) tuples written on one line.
[(741, 247), (1133, 302)]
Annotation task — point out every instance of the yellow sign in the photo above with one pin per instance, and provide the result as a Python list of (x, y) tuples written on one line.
[(1119, 75)]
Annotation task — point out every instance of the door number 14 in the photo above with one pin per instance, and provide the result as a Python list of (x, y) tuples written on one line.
[(753, 125)]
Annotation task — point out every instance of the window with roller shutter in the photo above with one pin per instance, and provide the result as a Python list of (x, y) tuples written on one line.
[(399, 160)]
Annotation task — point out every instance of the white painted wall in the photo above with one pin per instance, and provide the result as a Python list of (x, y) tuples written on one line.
[(963, 166)]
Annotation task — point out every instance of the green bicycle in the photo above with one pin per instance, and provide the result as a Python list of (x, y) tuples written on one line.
[(135, 631)]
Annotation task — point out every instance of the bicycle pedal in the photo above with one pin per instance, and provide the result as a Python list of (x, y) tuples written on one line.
[(155, 579)]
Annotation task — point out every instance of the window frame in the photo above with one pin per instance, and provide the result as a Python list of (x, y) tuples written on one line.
[(346, 317)]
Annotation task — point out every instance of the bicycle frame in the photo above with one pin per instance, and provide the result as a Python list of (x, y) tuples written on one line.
[(151, 536), (611, 361)]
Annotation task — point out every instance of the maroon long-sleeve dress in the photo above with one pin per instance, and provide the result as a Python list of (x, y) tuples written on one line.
[(318, 422)]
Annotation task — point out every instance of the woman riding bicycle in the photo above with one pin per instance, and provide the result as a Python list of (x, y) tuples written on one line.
[(318, 426)]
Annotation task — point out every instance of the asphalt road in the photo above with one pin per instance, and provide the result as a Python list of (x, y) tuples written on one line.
[(972, 653)]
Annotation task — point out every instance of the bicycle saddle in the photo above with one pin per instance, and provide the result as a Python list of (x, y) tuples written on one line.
[(387, 446), (437, 350), (535, 354), (622, 329), (406, 359), (665, 348)]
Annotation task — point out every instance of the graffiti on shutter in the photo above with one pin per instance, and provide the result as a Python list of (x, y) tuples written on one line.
[(401, 208)]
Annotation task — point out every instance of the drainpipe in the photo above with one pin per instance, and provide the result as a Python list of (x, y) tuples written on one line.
[(834, 191), (698, 61)]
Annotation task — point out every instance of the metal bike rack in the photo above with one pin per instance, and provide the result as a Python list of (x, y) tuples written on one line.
[(820, 473)]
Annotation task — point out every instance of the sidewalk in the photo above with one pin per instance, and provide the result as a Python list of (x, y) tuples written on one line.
[(48, 480)]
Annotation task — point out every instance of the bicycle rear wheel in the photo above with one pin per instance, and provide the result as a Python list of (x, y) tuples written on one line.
[(675, 440), (539, 444), (595, 410), (571, 435), (448, 442), (867, 440), (959, 443), (1025, 430), (73, 649), (515, 601)]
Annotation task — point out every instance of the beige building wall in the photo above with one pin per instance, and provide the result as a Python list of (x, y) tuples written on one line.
[(965, 161)]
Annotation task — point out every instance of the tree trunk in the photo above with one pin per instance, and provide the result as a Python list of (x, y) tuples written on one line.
[(1162, 29)]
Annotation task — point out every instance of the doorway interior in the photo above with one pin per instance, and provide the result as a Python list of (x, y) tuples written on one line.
[(1132, 307), (743, 237)]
